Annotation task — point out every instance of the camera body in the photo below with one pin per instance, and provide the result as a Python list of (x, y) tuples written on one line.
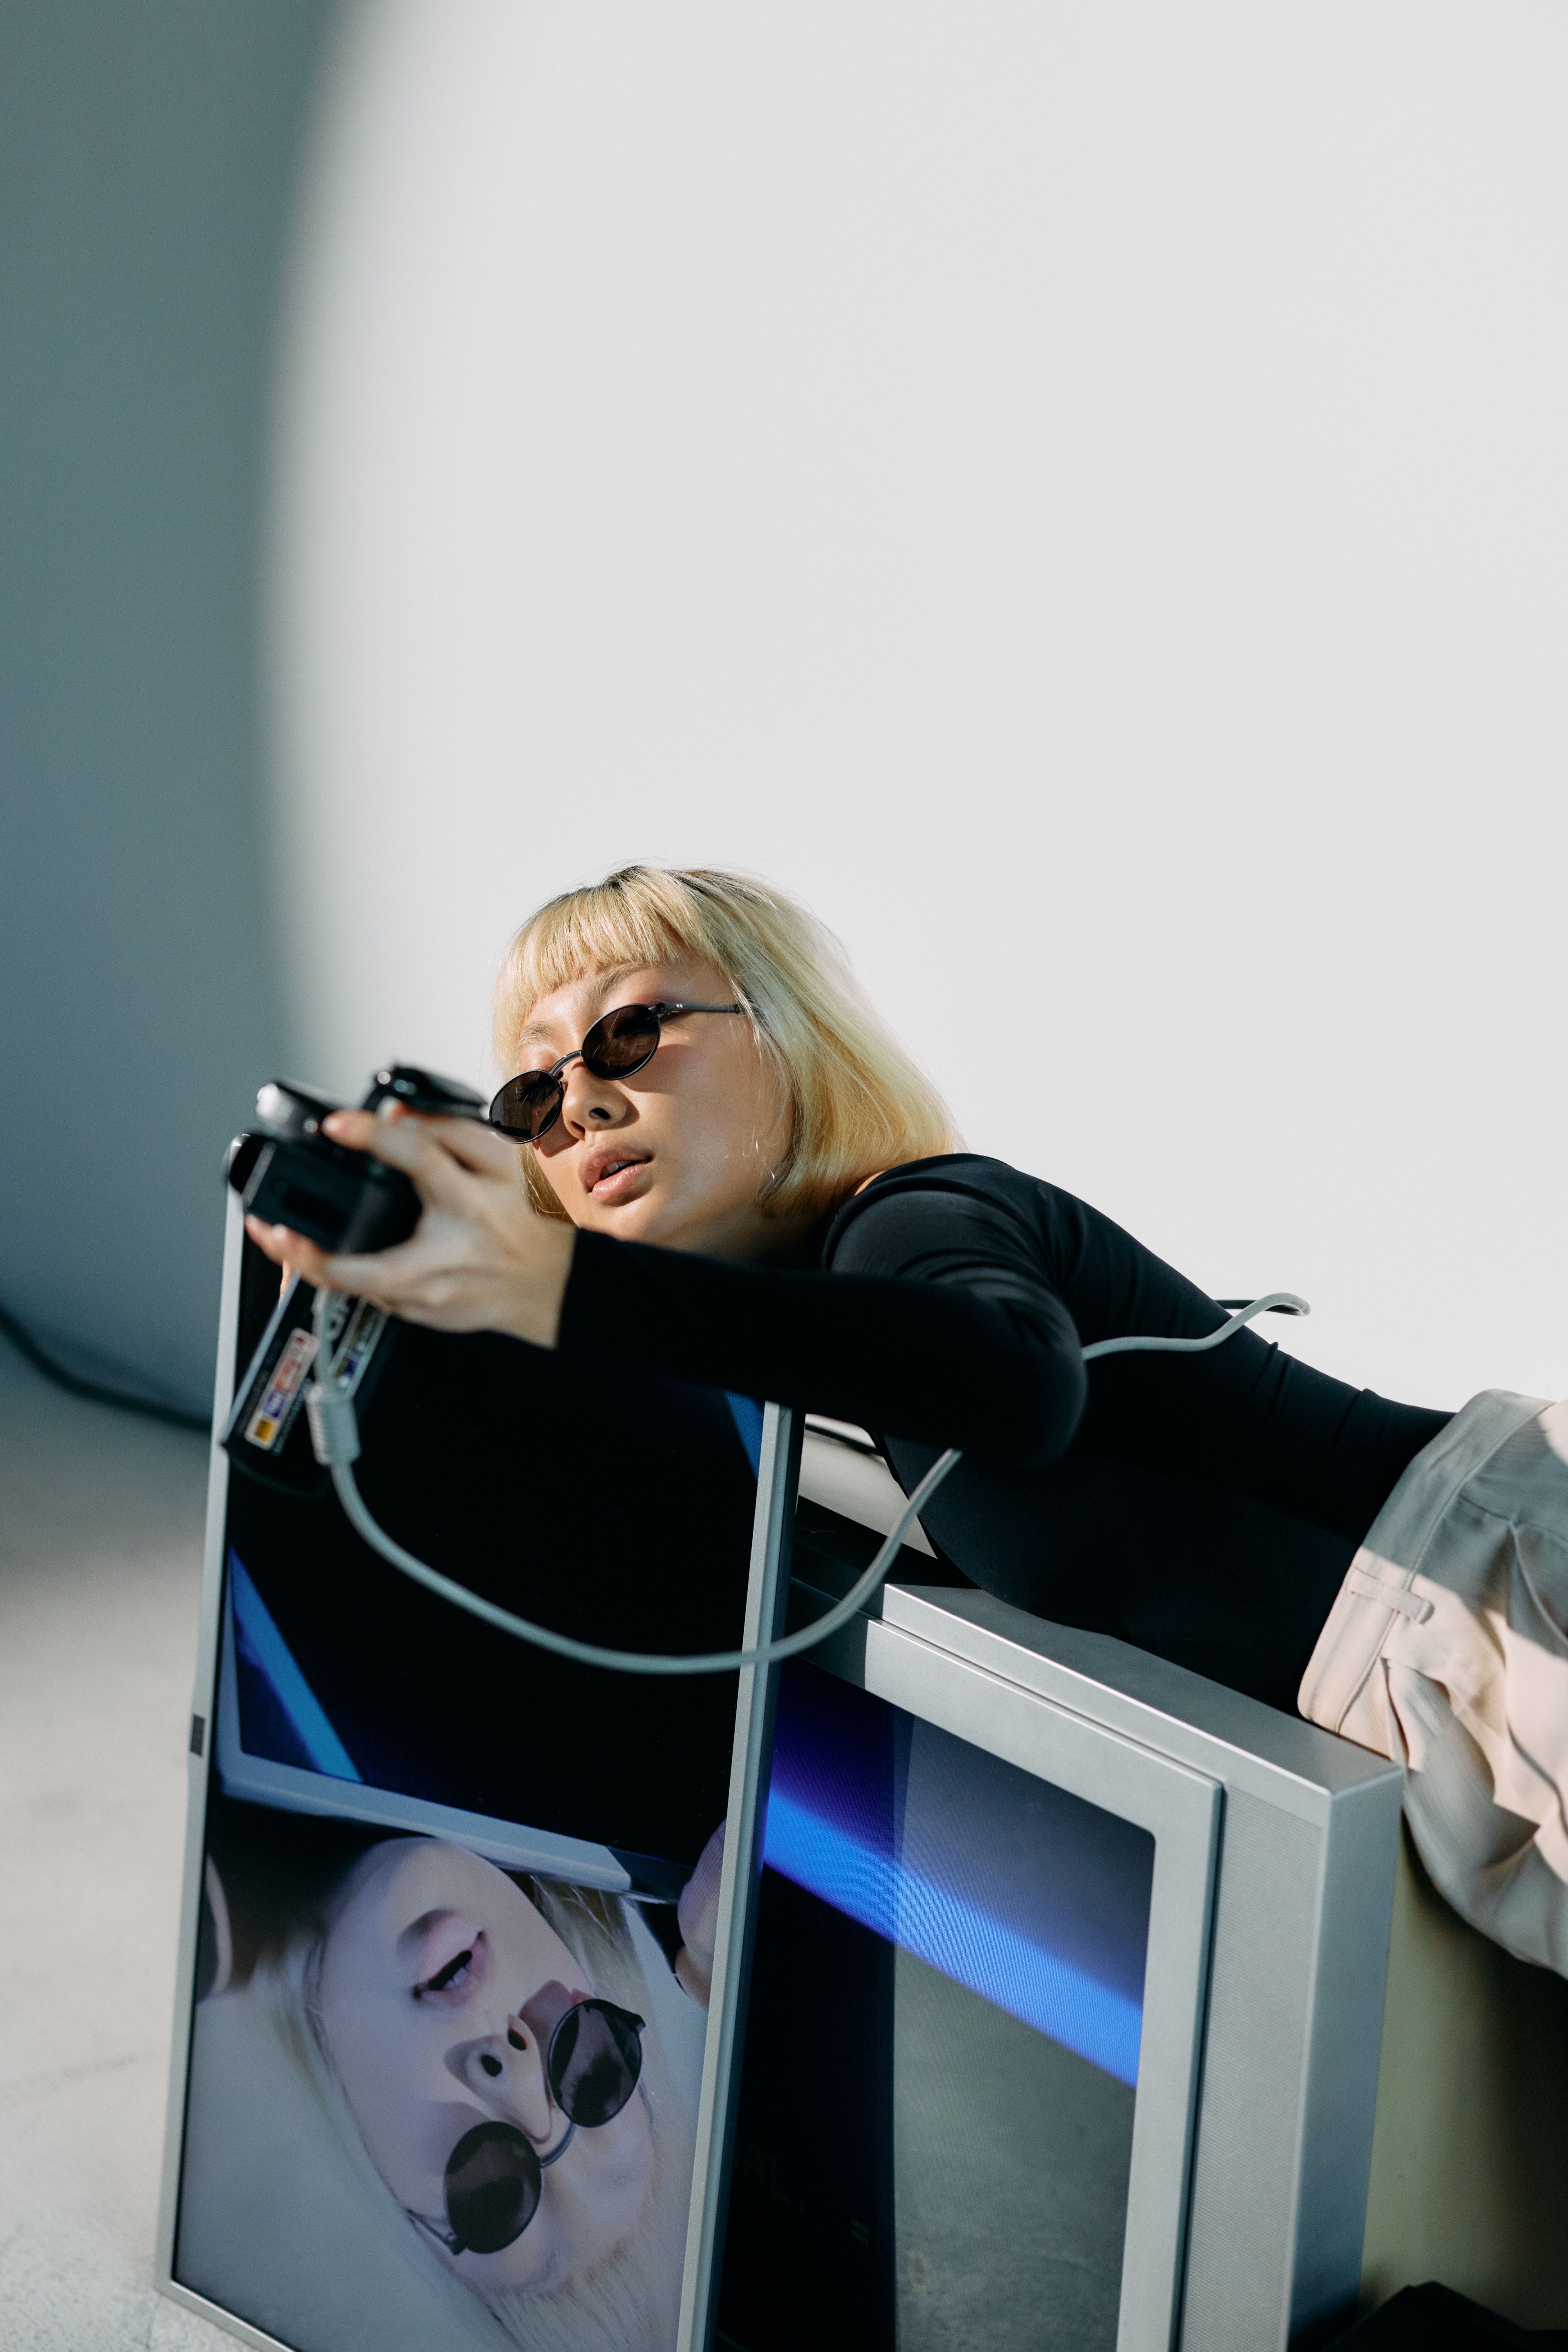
[(287, 1172)]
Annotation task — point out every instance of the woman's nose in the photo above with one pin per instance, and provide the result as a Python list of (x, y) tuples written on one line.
[(507, 2070), (589, 1103)]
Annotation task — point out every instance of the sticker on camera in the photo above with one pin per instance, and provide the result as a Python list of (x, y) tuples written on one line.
[(268, 1424), (357, 1345)]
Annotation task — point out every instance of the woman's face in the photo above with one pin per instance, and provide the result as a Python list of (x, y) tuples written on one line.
[(681, 1152), (428, 2043)]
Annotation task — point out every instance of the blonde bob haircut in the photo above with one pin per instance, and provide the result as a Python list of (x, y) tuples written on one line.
[(858, 1102)]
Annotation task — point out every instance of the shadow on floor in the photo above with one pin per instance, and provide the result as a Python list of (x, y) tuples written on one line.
[(100, 1519)]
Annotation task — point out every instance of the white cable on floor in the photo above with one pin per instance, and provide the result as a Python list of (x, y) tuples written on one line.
[(334, 1435)]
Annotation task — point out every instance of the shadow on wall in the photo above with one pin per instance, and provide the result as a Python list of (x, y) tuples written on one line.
[(147, 165), (1470, 2171)]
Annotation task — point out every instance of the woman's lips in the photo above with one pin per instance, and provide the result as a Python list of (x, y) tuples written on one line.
[(618, 1178)]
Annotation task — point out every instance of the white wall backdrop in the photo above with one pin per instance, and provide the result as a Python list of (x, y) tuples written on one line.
[(1078, 494)]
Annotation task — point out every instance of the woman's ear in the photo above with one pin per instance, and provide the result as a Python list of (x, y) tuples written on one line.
[(215, 1938), (697, 1912)]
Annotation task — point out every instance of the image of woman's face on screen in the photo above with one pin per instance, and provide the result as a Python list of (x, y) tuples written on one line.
[(440, 1982)]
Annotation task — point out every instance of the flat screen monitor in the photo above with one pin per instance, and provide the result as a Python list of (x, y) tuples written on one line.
[(460, 1960)]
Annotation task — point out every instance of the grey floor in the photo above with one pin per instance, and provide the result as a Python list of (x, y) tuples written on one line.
[(1011, 2158), (100, 1567)]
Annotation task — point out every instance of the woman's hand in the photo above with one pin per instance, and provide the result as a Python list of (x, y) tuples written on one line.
[(480, 1259), (698, 1913)]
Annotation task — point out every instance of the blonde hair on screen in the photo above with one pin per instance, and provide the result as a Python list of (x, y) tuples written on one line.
[(858, 1102), (628, 2300)]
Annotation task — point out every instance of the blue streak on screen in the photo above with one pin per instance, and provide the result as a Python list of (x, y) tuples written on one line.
[(264, 1652), (1033, 1897), (747, 1415), (936, 1925)]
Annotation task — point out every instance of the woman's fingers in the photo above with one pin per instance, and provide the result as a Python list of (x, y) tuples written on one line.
[(481, 1257), (403, 1143), (391, 1277), (427, 1149), (293, 1251), (388, 1271), (475, 1145)]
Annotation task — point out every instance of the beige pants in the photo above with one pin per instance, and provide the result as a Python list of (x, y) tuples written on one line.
[(1448, 1651)]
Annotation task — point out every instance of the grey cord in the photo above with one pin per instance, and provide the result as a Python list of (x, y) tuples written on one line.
[(1277, 1302), (97, 1392), (334, 1435)]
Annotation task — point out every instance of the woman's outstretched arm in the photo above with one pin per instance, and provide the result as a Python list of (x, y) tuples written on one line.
[(928, 1360), (967, 1346)]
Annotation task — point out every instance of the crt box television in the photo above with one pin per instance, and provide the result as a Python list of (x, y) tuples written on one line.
[(1095, 2059)]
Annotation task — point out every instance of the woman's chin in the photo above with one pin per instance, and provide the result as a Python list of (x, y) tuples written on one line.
[(642, 1216)]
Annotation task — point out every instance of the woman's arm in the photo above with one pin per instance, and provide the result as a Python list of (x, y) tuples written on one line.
[(920, 1358), (956, 1338)]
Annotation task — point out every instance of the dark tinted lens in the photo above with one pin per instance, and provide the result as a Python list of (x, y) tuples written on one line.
[(622, 1042), (595, 2058), (492, 2187), (528, 1107)]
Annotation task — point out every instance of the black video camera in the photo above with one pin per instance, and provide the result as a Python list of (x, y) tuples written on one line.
[(289, 1174)]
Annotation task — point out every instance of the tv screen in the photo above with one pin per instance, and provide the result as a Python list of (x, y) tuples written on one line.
[(451, 1963), (934, 2129)]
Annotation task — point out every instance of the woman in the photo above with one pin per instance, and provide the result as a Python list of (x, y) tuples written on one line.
[(511, 2071), (704, 1088), (442, 1995)]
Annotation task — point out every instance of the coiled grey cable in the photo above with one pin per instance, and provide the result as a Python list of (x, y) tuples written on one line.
[(334, 1435)]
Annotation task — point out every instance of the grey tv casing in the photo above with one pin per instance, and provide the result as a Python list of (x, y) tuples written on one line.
[(1275, 1853), (1275, 1848)]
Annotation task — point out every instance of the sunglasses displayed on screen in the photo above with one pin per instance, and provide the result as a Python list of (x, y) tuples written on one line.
[(495, 2174), (618, 1046)]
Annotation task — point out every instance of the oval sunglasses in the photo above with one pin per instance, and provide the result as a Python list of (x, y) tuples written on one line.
[(618, 1044), (495, 2174)]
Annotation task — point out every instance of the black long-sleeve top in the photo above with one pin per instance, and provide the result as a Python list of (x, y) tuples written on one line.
[(1204, 1507)]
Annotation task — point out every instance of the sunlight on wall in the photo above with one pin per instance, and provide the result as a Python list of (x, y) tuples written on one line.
[(1078, 494)]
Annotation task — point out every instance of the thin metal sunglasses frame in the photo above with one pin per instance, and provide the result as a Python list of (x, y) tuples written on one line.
[(661, 1012)]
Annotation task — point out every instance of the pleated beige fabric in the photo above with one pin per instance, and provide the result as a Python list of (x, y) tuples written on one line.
[(1447, 1650)]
